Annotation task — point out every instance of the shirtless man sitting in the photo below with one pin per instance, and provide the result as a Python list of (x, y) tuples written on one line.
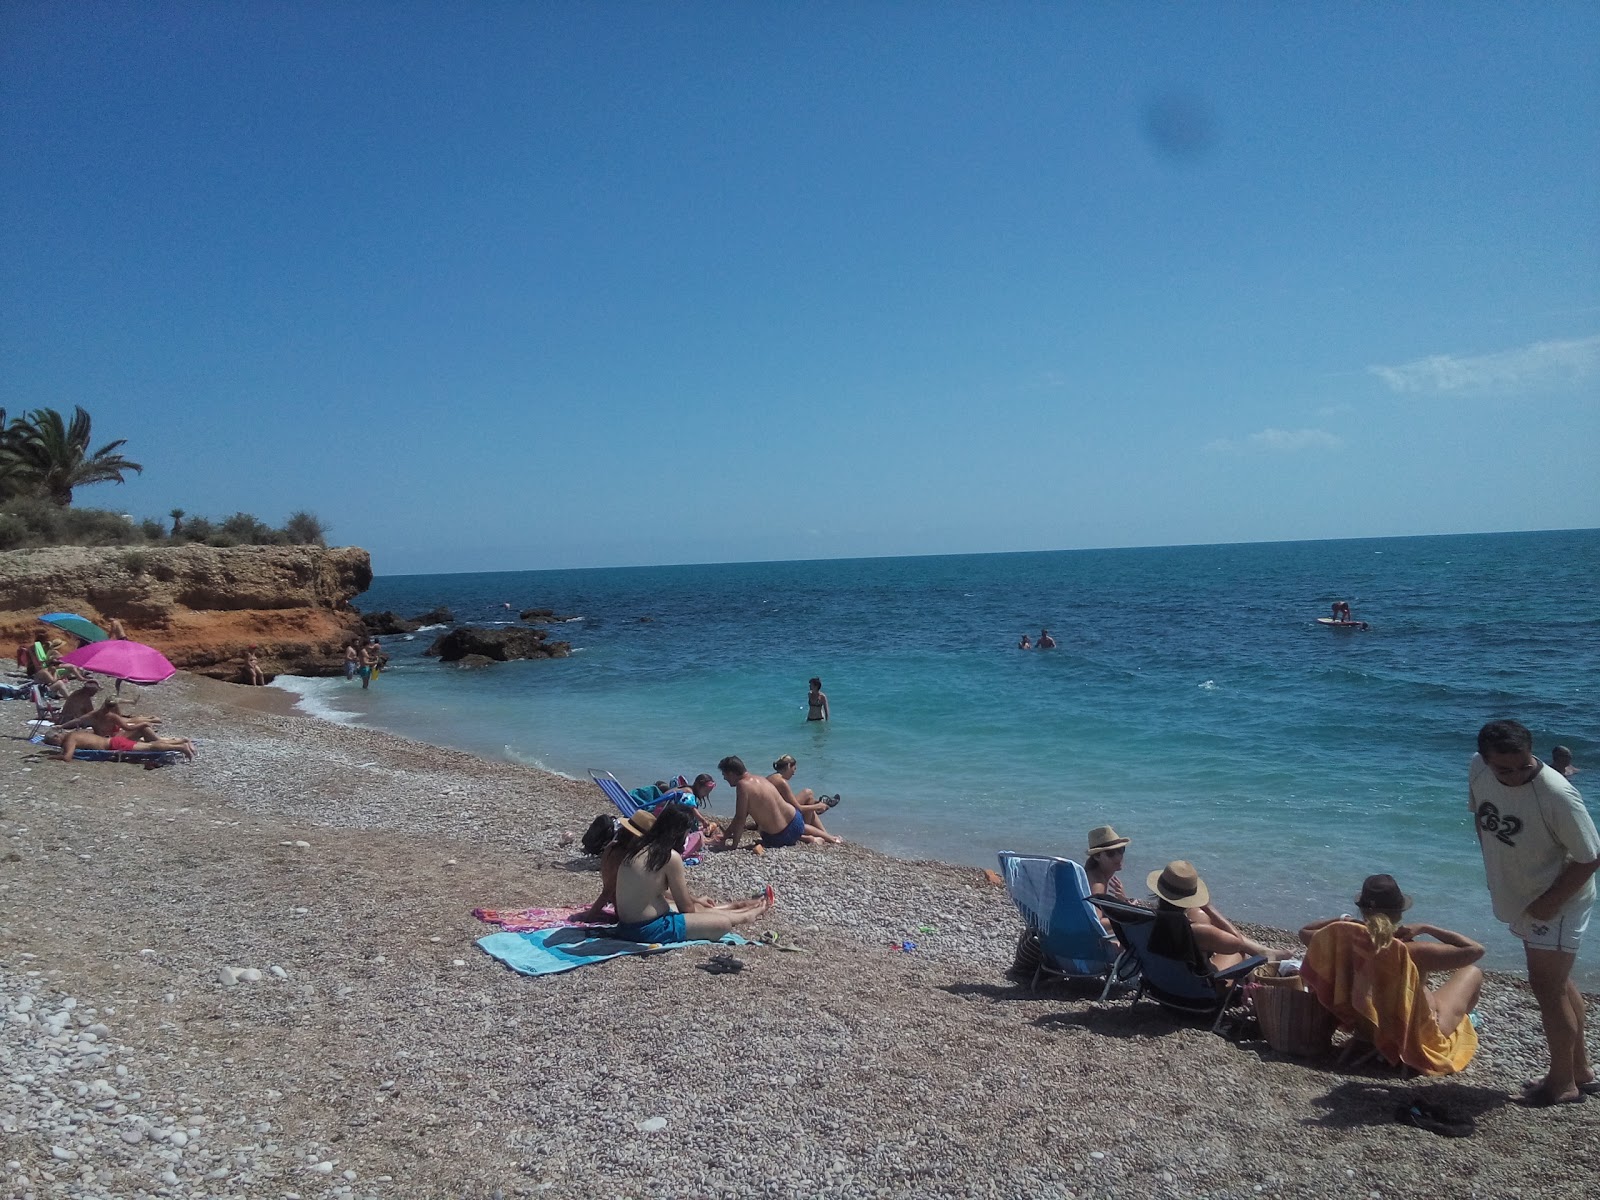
[(73, 740), (780, 823), (79, 705)]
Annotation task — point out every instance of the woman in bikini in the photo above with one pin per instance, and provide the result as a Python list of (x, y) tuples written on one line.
[(806, 802), (651, 879), (816, 702)]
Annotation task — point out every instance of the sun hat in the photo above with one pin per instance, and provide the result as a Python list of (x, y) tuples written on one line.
[(1104, 837), (1380, 893), (641, 823), (1179, 884)]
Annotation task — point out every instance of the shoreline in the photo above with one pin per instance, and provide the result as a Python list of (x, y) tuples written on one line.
[(392, 1047)]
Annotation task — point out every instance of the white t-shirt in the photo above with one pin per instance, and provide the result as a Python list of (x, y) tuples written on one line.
[(1528, 834)]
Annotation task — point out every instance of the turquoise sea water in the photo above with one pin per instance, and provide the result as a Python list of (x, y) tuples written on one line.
[(1193, 701)]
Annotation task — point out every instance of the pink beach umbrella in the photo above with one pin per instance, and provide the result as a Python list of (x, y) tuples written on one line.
[(132, 661)]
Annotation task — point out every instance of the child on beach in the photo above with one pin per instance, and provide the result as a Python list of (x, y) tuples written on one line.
[(651, 878)]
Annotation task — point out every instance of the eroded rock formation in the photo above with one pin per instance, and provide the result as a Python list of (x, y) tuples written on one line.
[(201, 606)]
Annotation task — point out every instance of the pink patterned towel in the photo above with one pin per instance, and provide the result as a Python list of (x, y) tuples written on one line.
[(527, 920)]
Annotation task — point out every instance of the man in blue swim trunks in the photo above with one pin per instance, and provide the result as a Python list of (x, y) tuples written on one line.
[(780, 823)]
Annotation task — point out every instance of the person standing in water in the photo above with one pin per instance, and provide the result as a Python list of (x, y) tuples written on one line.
[(1046, 642), (816, 701), (1024, 644)]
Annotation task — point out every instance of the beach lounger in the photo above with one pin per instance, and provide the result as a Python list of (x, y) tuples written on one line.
[(1176, 981), (627, 803), (149, 758), (1052, 894)]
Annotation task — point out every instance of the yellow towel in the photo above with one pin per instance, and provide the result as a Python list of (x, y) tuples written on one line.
[(1380, 995)]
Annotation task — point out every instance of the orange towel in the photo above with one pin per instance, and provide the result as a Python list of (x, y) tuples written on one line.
[(1380, 995)]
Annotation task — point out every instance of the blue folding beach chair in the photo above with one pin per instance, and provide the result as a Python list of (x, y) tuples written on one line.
[(1052, 894), (627, 803), (1178, 978)]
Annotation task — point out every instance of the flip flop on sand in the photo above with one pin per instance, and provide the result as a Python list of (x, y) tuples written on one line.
[(770, 938), (1434, 1120), (722, 964)]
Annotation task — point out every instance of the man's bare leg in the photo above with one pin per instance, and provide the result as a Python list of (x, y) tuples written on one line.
[(1549, 975)]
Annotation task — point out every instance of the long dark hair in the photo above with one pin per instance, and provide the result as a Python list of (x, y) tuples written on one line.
[(672, 827)]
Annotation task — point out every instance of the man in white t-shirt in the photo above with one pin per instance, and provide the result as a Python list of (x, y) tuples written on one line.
[(1540, 853)]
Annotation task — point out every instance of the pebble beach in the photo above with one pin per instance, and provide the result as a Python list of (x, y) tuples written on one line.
[(254, 975)]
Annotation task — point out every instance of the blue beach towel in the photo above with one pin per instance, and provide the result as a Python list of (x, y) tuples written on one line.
[(552, 951)]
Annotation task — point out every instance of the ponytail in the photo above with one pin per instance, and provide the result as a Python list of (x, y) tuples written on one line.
[(1380, 928)]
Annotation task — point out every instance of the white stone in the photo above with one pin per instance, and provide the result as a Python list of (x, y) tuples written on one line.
[(228, 975), (250, 975), (652, 1125), (302, 845), (277, 972), (63, 1153), (323, 1168)]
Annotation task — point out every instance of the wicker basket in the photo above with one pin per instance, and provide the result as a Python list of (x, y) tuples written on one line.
[(1292, 1019)]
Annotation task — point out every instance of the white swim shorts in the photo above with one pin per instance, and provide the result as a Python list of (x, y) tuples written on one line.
[(1561, 932)]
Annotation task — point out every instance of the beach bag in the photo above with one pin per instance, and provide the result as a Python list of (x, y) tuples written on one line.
[(1292, 1019)]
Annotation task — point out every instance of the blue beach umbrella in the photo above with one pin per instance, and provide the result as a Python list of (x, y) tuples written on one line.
[(81, 628)]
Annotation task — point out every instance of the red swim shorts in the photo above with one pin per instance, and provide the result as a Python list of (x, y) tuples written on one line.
[(122, 743)]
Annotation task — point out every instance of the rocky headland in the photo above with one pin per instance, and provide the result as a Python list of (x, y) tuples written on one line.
[(201, 606)]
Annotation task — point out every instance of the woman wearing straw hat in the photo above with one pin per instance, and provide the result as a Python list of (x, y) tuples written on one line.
[(1104, 861), (1181, 895)]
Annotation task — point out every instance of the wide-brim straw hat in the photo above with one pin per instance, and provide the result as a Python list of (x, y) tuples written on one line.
[(1380, 893), (1104, 837), (1179, 884), (641, 823)]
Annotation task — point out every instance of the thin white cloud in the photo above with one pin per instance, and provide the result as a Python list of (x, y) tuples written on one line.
[(1278, 441), (1507, 370)]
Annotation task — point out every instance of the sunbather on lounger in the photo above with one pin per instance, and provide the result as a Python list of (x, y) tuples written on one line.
[(809, 806), (654, 871), (1180, 890), (110, 721), (75, 739)]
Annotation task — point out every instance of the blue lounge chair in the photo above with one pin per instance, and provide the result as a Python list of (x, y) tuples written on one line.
[(1052, 894), (627, 803), (150, 758), (1179, 978)]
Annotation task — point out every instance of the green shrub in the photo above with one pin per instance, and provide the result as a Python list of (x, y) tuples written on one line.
[(198, 529), (136, 562), (153, 530), (305, 529), (13, 531), (96, 527)]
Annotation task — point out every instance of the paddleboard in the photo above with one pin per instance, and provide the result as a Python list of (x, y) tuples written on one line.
[(1332, 624)]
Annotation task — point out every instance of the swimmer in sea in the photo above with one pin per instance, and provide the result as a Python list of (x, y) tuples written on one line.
[(1046, 642), (1024, 644), (816, 701)]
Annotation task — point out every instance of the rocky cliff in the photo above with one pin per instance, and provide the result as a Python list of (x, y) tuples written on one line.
[(201, 606)]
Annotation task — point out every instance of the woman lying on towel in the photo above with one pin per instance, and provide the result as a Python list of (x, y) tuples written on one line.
[(652, 871), (1375, 978)]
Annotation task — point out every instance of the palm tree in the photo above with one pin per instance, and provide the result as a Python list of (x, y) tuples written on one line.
[(177, 520), (55, 457)]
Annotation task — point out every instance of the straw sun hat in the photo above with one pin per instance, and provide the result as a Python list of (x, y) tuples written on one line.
[(641, 823), (1178, 883), (1104, 837)]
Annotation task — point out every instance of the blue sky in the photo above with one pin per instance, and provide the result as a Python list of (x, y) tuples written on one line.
[(515, 285)]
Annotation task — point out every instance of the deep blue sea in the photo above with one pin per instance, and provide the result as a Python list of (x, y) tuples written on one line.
[(1193, 701)]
